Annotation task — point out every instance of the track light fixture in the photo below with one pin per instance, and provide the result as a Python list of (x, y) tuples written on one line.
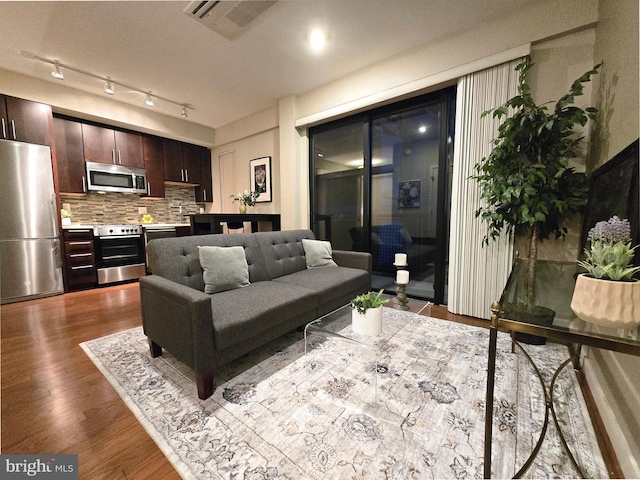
[(57, 73), (109, 83)]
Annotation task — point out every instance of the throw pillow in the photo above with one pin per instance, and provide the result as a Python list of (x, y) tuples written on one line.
[(318, 253), (224, 268)]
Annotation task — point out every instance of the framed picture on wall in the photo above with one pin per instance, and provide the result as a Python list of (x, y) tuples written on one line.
[(261, 178), (409, 192)]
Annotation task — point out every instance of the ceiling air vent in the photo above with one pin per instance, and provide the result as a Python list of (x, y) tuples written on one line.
[(226, 17)]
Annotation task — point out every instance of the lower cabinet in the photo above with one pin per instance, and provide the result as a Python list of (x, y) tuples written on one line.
[(80, 260)]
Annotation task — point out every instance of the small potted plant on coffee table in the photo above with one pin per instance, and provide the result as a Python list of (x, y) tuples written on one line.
[(366, 317)]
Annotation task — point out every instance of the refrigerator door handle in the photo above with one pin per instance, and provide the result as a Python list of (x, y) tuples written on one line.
[(4, 128), (57, 254), (54, 216)]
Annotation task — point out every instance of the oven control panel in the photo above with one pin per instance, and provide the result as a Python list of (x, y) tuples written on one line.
[(116, 230)]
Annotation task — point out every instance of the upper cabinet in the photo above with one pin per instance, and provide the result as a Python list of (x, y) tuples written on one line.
[(203, 192), (104, 145), (182, 162), (154, 165), (69, 156), (24, 120)]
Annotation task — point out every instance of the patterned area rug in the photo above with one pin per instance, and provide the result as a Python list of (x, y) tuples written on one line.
[(280, 414)]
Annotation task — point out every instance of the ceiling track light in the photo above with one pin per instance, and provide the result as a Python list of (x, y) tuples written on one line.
[(109, 83), (57, 73)]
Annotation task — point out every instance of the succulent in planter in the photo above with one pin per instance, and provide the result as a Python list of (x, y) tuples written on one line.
[(366, 316), (611, 253), (607, 294), (526, 181), (368, 300)]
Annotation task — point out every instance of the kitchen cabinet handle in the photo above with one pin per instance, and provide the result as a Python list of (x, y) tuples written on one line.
[(81, 267), (119, 158), (204, 191), (13, 128), (186, 174), (84, 185), (74, 255), (80, 243), (148, 189), (4, 128), (113, 156), (182, 174)]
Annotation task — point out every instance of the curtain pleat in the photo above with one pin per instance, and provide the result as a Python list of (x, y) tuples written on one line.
[(477, 272)]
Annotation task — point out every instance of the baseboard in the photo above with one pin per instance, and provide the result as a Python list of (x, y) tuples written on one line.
[(615, 449)]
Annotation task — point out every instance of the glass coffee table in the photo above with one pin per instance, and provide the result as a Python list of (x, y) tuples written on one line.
[(337, 325)]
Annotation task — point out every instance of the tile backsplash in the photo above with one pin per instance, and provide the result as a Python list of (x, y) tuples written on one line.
[(96, 208)]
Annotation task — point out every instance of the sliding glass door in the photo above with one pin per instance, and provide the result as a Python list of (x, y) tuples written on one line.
[(380, 184)]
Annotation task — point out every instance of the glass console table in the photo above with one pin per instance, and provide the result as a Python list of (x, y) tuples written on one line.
[(554, 288)]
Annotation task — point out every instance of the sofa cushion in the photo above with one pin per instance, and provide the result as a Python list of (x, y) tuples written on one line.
[(178, 259), (334, 286), (224, 268), (245, 312), (318, 253), (282, 251)]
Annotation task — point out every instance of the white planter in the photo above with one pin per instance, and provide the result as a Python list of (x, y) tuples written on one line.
[(367, 323), (66, 221), (607, 303)]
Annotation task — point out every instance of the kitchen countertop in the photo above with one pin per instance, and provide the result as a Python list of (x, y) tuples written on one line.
[(164, 225), (76, 225), (144, 225)]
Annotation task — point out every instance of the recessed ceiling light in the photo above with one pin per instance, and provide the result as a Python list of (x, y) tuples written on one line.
[(317, 40), (422, 129)]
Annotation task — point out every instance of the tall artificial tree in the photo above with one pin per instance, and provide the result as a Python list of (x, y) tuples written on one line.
[(526, 182)]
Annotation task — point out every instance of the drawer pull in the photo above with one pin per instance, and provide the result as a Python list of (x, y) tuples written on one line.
[(80, 243), (80, 255), (81, 267)]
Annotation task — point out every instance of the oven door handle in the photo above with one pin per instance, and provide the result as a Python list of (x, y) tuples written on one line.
[(115, 237)]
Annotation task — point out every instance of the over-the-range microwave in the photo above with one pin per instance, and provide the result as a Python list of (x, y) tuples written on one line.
[(103, 177)]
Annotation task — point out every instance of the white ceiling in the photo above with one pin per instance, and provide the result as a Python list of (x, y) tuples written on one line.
[(154, 46)]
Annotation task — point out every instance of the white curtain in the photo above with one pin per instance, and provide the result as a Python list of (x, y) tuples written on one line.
[(477, 273)]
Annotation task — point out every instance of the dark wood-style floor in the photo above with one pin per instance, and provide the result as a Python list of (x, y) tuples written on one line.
[(54, 400)]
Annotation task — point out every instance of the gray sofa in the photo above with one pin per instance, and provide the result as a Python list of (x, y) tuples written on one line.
[(205, 331)]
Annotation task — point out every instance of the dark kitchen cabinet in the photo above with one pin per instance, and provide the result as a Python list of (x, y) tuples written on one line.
[(104, 145), (24, 120), (182, 162), (152, 148), (70, 156), (203, 192), (80, 260)]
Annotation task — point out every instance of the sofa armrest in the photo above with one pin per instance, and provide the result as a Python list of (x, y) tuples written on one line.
[(178, 318), (346, 258)]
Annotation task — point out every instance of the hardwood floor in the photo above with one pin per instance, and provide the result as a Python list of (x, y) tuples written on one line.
[(54, 400)]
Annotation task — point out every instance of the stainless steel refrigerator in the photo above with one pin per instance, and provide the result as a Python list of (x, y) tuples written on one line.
[(30, 260)]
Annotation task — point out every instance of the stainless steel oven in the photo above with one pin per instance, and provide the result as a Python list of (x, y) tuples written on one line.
[(119, 251)]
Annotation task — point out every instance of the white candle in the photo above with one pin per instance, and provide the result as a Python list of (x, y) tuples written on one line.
[(402, 277), (401, 259)]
